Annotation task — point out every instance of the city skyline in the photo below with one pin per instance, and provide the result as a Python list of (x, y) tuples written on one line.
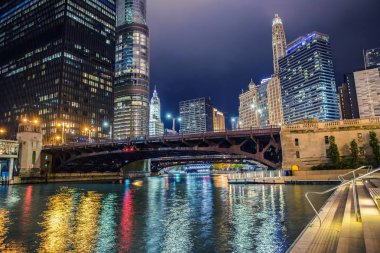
[(240, 56)]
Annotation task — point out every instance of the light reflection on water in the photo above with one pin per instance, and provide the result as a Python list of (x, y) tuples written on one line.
[(159, 214)]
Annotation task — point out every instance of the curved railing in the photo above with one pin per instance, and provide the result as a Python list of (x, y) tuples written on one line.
[(353, 181), (369, 168)]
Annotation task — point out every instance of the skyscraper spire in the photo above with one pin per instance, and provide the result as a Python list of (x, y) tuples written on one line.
[(278, 42)]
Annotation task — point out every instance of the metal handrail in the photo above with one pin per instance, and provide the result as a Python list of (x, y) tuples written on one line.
[(341, 177), (336, 187)]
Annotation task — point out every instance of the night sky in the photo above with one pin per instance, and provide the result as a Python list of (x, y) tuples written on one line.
[(213, 47)]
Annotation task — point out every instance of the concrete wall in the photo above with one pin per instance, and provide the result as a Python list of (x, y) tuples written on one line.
[(311, 140)]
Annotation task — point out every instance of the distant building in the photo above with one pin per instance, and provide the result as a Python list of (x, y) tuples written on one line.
[(219, 122), (278, 42), (131, 107), (196, 115), (156, 127), (57, 64), (367, 84), (307, 80), (248, 107), (348, 101), (262, 103), (276, 117), (372, 58)]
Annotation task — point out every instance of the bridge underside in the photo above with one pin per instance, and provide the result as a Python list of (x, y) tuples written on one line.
[(262, 146)]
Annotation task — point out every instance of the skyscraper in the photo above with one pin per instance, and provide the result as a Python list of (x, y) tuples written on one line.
[(367, 84), (57, 64), (219, 122), (276, 116), (131, 113), (156, 127), (348, 100), (278, 42), (372, 58), (307, 80), (196, 115), (248, 107)]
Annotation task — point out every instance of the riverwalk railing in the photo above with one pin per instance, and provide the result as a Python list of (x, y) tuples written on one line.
[(354, 193), (256, 174), (369, 169)]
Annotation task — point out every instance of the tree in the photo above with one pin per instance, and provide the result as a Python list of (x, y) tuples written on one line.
[(374, 143), (334, 152), (354, 154)]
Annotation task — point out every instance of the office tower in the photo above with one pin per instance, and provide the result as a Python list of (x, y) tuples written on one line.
[(372, 58), (307, 80), (248, 108), (57, 64), (219, 122), (348, 101), (131, 115), (262, 103), (278, 42), (156, 127), (196, 115), (367, 84), (276, 117)]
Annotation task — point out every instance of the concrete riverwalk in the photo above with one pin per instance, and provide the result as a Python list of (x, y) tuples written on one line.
[(344, 229)]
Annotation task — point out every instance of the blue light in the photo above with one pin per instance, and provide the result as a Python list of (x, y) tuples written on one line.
[(301, 43)]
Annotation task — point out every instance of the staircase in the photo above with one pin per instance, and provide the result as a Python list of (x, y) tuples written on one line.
[(339, 226)]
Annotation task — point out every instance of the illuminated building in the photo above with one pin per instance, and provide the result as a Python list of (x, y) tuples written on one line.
[(131, 108), (57, 64), (307, 80), (278, 42), (196, 115), (276, 116), (367, 84), (372, 58), (156, 127), (262, 103), (348, 101), (219, 122), (248, 108)]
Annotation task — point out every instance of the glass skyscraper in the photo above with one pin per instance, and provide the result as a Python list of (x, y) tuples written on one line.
[(372, 58), (196, 115), (307, 80), (131, 108), (57, 64)]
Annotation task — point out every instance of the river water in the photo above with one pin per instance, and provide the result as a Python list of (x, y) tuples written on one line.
[(193, 213)]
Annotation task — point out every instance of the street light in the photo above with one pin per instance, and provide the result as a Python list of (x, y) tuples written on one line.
[(89, 130), (106, 124), (169, 116), (2, 132)]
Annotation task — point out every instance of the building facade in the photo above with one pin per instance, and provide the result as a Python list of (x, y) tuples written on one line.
[(276, 117), (57, 64), (344, 102), (262, 103), (367, 84), (196, 115), (131, 108), (156, 127), (278, 42), (219, 122), (248, 107), (372, 58), (297, 153), (307, 80)]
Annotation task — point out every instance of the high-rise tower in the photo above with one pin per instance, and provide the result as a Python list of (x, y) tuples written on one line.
[(307, 80), (156, 127), (57, 64), (278, 41), (131, 112)]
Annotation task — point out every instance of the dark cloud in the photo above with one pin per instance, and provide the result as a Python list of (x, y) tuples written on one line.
[(213, 47)]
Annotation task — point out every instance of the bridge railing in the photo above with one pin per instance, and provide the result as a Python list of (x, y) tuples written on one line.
[(256, 174)]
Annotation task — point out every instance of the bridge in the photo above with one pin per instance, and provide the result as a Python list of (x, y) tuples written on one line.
[(260, 145)]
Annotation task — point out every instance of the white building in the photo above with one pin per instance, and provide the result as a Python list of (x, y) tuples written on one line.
[(367, 84), (278, 42), (156, 127), (248, 108)]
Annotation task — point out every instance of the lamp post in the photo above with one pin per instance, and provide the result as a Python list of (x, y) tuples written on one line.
[(2, 132), (169, 116), (89, 130)]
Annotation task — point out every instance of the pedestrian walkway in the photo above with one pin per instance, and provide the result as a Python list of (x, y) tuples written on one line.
[(342, 229)]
